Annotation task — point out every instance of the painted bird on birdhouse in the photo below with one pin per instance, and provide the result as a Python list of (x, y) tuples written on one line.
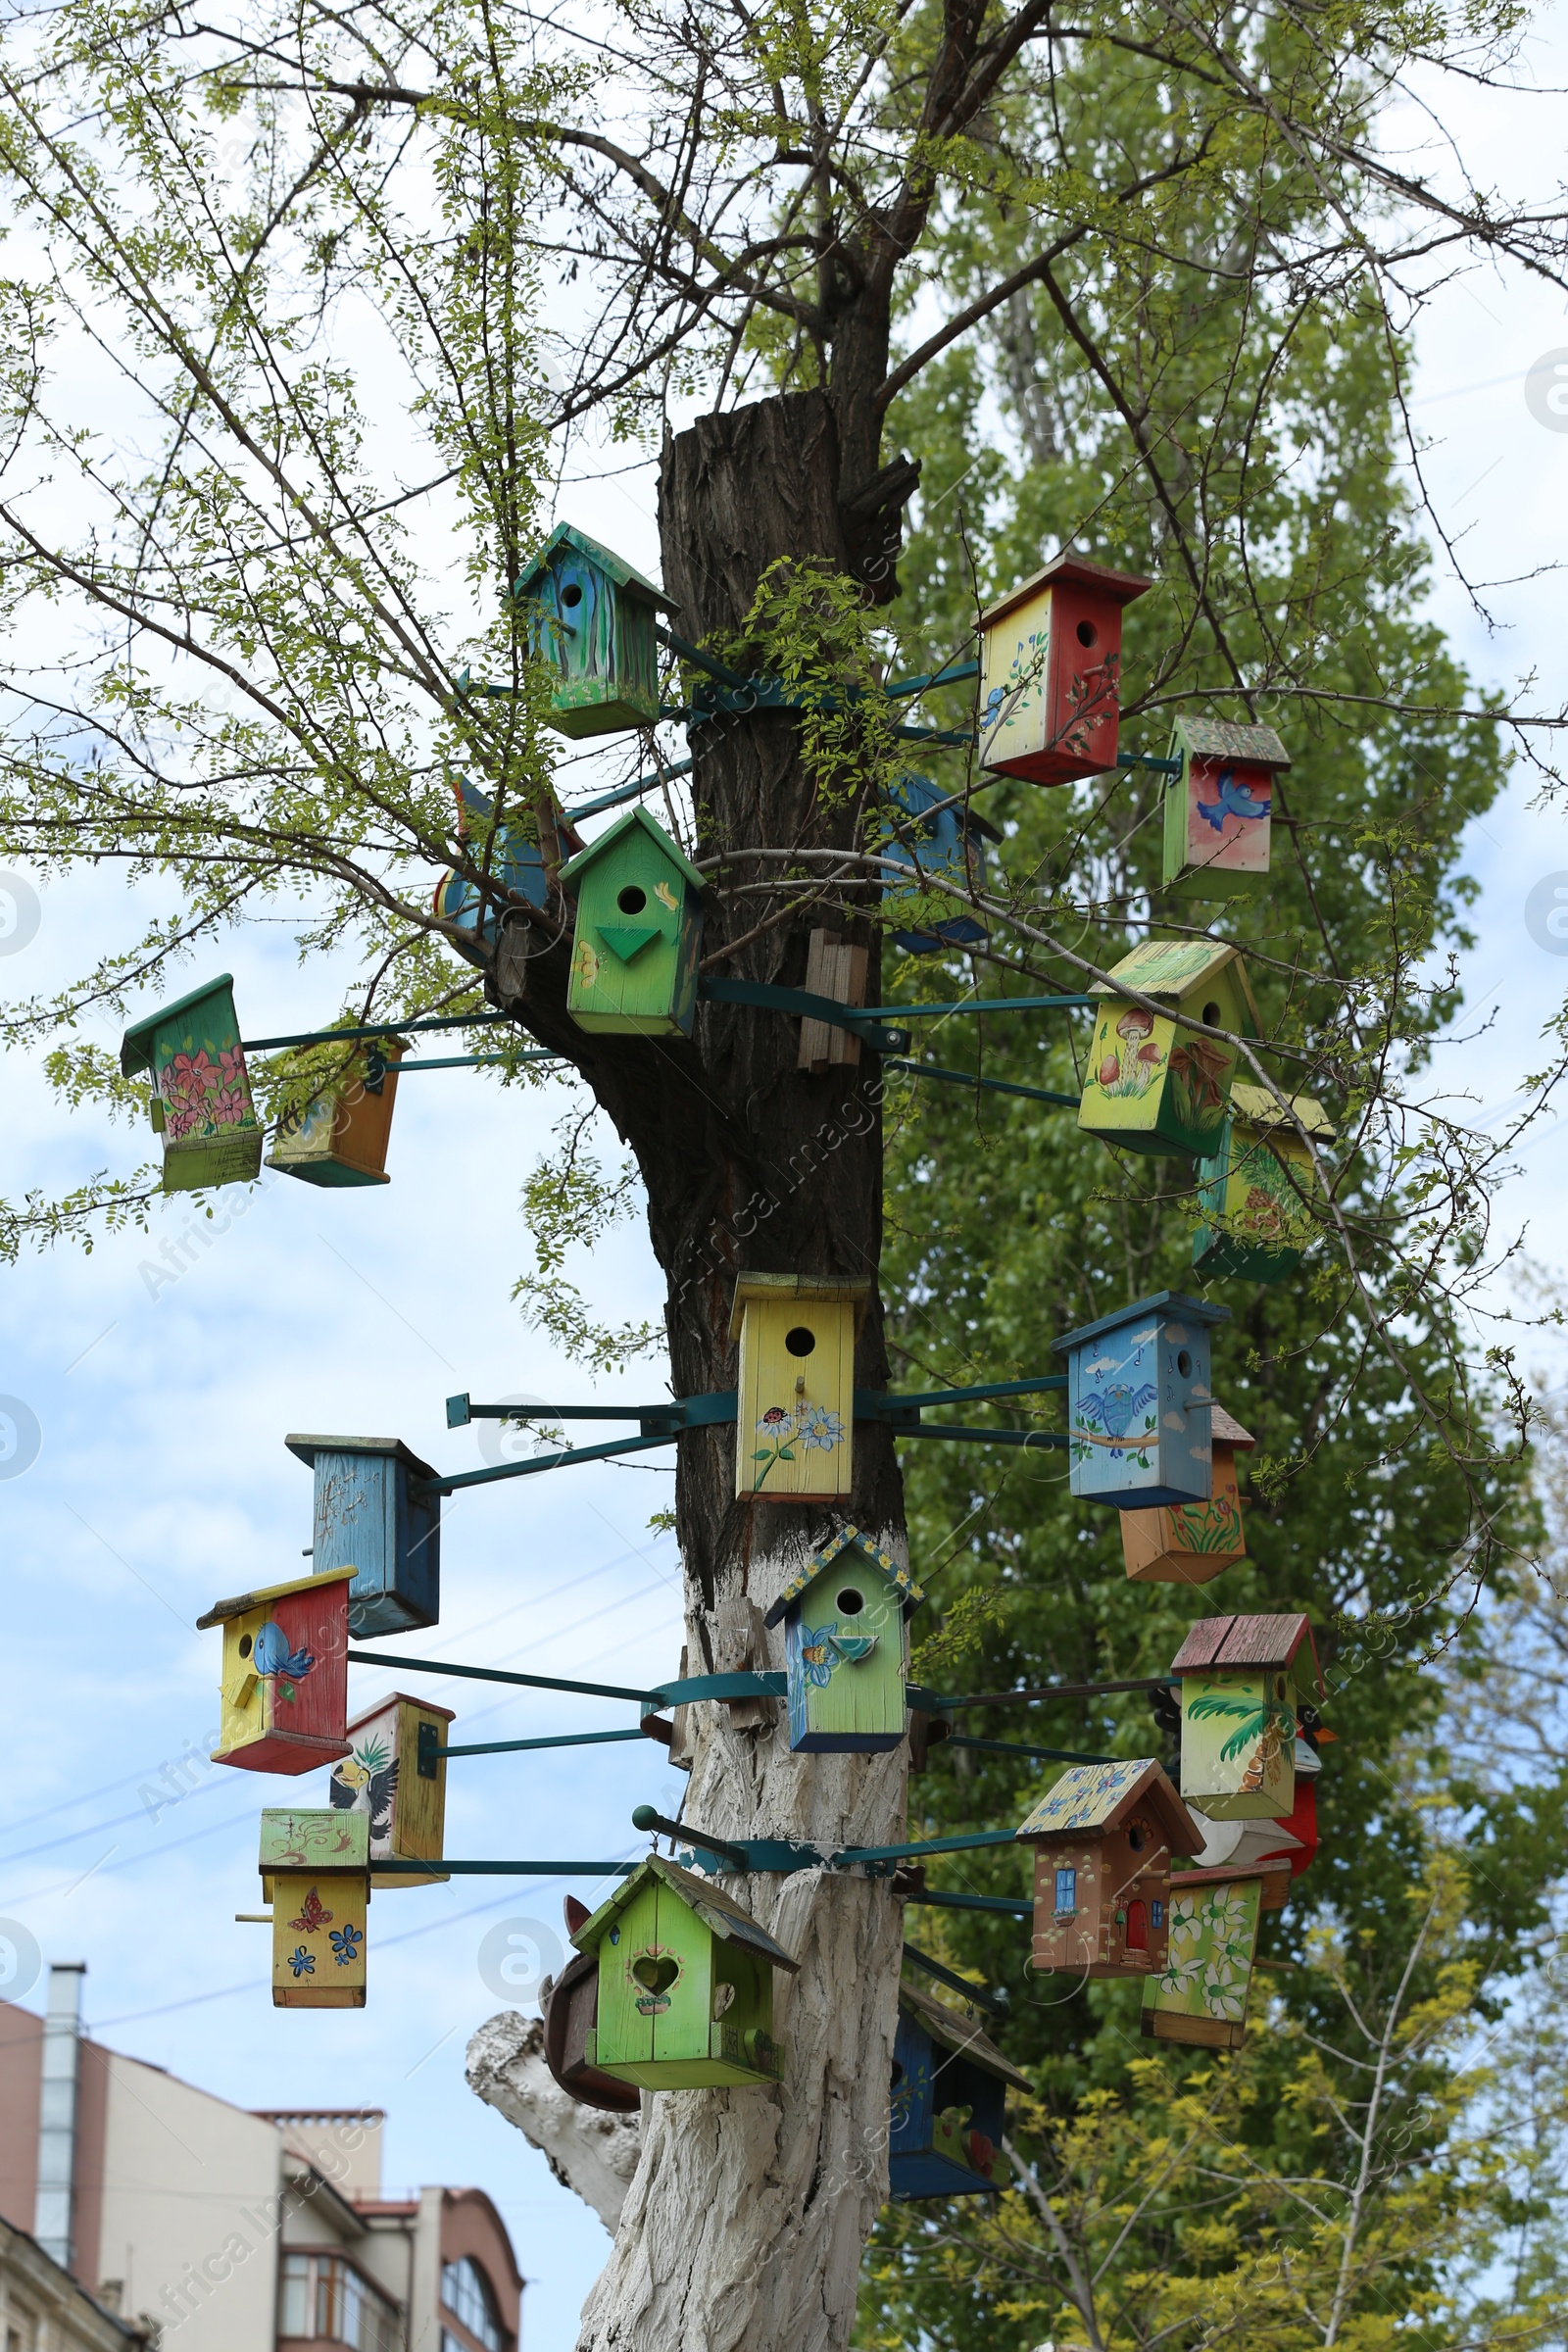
[(1239, 1699), (1139, 1403), (285, 1674)]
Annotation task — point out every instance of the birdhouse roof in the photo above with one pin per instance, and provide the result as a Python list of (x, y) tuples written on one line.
[(1257, 1107), (396, 1698), (958, 2033), (782, 1287), (604, 558), (1120, 586), (1158, 1302), (1227, 1432), (1219, 739), (715, 1911), (393, 1449), (264, 1596), (326, 1834), (1175, 968), (136, 1046), (633, 819), (1246, 1642), (1101, 1796), (918, 795), (847, 1538)]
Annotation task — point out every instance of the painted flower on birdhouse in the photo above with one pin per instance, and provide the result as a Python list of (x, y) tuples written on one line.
[(817, 1656), (345, 1943), (817, 1426), (301, 1963)]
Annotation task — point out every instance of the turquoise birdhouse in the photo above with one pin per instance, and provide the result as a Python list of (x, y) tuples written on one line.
[(1139, 1403), (517, 872), (639, 932), (939, 841), (376, 1512), (846, 1647), (591, 620)]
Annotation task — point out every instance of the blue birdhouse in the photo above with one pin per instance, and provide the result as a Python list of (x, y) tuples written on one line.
[(950, 2093), (375, 1512), (517, 867), (1139, 1403), (591, 620), (845, 1649), (938, 839)]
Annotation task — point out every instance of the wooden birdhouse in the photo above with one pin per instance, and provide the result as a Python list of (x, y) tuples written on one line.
[(1239, 1692), (519, 868), (1104, 1839), (1289, 1846), (392, 1776), (591, 620), (1200, 1992), (1051, 672), (1150, 1085), (950, 2094), (376, 1511), (315, 1874), (1139, 1403), (939, 841), (638, 935), (285, 1674), (1217, 810), (340, 1136), (794, 1437), (846, 1647), (1255, 1192), (201, 1100), (685, 1985), (1189, 1543)]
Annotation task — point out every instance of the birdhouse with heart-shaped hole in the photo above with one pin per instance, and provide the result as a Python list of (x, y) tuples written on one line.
[(794, 1392), (1104, 1839), (638, 935), (1238, 1678), (1139, 1403), (949, 2102), (942, 845), (1255, 1192), (1217, 810), (591, 620), (1153, 1085), (376, 1511), (846, 1647), (316, 1874), (201, 1091), (1200, 1992), (1189, 1543), (1051, 672), (285, 1674), (339, 1134), (395, 1774), (685, 1996)]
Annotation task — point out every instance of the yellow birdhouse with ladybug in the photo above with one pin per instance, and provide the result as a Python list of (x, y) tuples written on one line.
[(795, 1435)]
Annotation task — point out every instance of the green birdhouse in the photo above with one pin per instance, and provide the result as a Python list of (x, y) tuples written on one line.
[(1151, 1084), (591, 620), (846, 1647), (685, 1986), (1238, 1678), (639, 932), (201, 1100), (1255, 1192), (1218, 808)]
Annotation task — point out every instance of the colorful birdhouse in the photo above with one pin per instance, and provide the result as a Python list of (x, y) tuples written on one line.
[(315, 1874), (1288, 1845), (1189, 1543), (1255, 1192), (201, 1100), (1153, 1085), (950, 2094), (376, 1511), (1238, 1678), (393, 1775), (518, 868), (340, 1136), (591, 620), (1199, 1994), (685, 1985), (939, 841), (1218, 809), (638, 935), (1103, 1837), (795, 1439), (285, 1674), (1139, 1403), (846, 1647), (1051, 672)]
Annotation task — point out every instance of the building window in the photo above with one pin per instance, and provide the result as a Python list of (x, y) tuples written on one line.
[(465, 2292), (325, 2301)]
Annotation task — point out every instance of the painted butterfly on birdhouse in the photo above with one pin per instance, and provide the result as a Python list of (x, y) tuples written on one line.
[(314, 1914)]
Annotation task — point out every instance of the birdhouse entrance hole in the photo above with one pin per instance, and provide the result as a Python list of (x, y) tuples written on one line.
[(851, 1602), (1087, 633), (801, 1340), (632, 899), (244, 1646), (656, 1972)]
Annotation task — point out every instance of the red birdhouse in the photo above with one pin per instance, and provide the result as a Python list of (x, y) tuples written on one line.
[(1051, 673), (285, 1689)]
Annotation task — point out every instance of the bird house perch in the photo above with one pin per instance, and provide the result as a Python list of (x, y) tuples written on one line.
[(1238, 1678), (374, 1510), (1139, 1403), (948, 2106), (201, 1100), (1051, 672), (390, 1777), (316, 1874), (591, 620), (1255, 1192), (285, 1674), (1151, 1084), (639, 932), (1218, 811), (1103, 1837), (795, 1439), (340, 1137), (1190, 1543), (846, 1647)]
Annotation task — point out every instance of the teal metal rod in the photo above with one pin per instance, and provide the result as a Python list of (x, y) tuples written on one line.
[(695, 654), (465, 1062), (1005, 1748), (965, 1903), (929, 1846), (348, 1037), (628, 792), (546, 1461), (985, 1437), (938, 1704), (998, 1085), (985, 1387), (997, 2002), (948, 676), (440, 1866), (505, 1747), (921, 1012), (494, 1674)]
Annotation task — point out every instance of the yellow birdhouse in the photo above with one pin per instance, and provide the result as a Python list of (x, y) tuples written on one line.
[(795, 1436), (1151, 1084), (285, 1673), (316, 1873), (395, 1774), (1256, 1191)]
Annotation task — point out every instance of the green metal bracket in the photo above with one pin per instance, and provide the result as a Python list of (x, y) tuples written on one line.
[(998, 1085), (801, 1003), (495, 1674), (388, 1029), (431, 1751), (443, 1866), (972, 1902)]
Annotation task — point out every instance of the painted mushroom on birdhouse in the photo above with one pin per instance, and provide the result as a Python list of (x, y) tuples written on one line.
[(339, 1137), (1239, 1695), (1255, 1192), (591, 620), (200, 1100), (1051, 672), (1103, 1837), (1218, 810), (394, 1777), (1151, 1084), (1190, 1543), (1139, 1403), (950, 2094), (846, 1647), (639, 932), (315, 1867), (376, 1511), (795, 1436), (938, 839), (1199, 1994), (285, 1674)]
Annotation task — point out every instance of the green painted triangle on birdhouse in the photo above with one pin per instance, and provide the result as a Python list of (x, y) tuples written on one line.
[(626, 940)]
